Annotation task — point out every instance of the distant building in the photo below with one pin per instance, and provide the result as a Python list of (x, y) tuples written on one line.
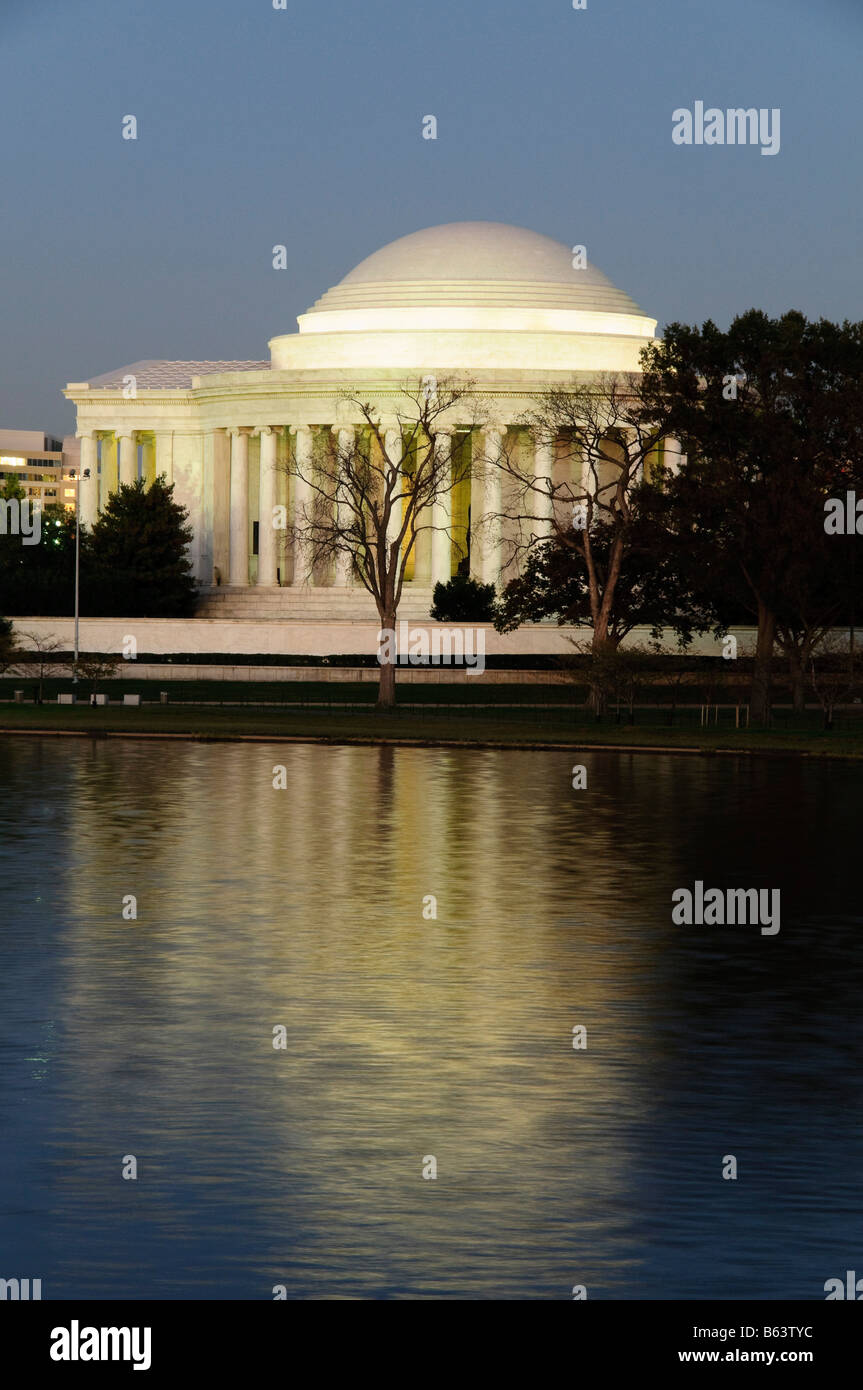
[(41, 464)]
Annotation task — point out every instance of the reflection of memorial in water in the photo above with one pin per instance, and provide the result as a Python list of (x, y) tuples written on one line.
[(405, 1036), (408, 1036)]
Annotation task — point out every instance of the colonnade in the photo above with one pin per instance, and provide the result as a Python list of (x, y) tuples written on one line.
[(111, 456)]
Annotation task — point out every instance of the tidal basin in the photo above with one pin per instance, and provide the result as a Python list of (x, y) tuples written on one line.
[(303, 914)]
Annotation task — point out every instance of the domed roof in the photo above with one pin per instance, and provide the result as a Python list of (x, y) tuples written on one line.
[(484, 265)]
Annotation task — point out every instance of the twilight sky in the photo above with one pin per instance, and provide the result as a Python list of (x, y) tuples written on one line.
[(304, 127)]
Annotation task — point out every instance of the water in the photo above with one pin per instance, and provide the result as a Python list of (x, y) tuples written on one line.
[(409, 1037)]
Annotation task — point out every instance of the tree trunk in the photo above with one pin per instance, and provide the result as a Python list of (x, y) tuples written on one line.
[(597, 694), (600, 632), (798, 692), (763, 671), (387, 685), (598, 673)]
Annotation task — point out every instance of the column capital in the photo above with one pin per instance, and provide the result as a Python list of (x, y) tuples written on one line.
[(541, 434), (443, 445), (85, 434), (295, 429), (235, 430), (342, 425), (125, 433)]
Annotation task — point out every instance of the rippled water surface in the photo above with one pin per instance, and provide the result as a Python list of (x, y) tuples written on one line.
[(408, 1037)]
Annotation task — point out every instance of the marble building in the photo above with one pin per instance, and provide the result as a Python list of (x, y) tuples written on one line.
[(502, 306)]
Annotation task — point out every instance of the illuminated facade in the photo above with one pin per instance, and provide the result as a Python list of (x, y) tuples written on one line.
[(511, 310)]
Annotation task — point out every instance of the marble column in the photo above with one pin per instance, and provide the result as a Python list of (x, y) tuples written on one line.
[(218, 497), (542, 496), (589, 476), (238, 565), (421, 554), (303, 500), (441, 513), (344, 513), (149, 460), (108, 478), (393, 444), (88, 488), (266, 503), (485, 508), (189, 493), (128, 457), (164, 450)]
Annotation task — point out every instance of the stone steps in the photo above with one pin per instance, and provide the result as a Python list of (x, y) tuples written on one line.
[(307, 605)]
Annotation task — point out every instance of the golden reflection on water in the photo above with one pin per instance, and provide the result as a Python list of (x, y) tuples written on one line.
[(406, 1037)]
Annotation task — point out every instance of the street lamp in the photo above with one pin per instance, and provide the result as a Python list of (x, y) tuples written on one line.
[(85, 474)]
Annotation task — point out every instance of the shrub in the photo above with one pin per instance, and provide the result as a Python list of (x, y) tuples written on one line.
[(463, 600)]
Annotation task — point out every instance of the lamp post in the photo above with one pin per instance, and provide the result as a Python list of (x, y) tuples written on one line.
[(78, 481)]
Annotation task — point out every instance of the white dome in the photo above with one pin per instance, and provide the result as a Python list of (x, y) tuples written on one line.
[(473, 265), (473, 297)]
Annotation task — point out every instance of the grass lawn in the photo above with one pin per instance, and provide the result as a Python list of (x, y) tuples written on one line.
[(519, 727)]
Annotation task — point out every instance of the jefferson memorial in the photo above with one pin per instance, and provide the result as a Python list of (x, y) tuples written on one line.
[(503, 307)]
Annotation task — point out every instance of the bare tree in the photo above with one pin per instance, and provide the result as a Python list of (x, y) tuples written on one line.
[(38, 657), (363, 501), (96, 667), (832, 673), (799, 643), (613, 674), (605, 433), (8, 645), (671, 673)]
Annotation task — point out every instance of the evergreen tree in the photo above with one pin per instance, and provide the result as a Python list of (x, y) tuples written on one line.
[(770, 415), (137, 566), (39, 580), (463, 600), (655, 587)]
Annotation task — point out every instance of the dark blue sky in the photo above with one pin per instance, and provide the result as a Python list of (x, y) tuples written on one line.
[(303, 127)]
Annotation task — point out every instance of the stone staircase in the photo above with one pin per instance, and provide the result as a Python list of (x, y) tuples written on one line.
[(310, 605)]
